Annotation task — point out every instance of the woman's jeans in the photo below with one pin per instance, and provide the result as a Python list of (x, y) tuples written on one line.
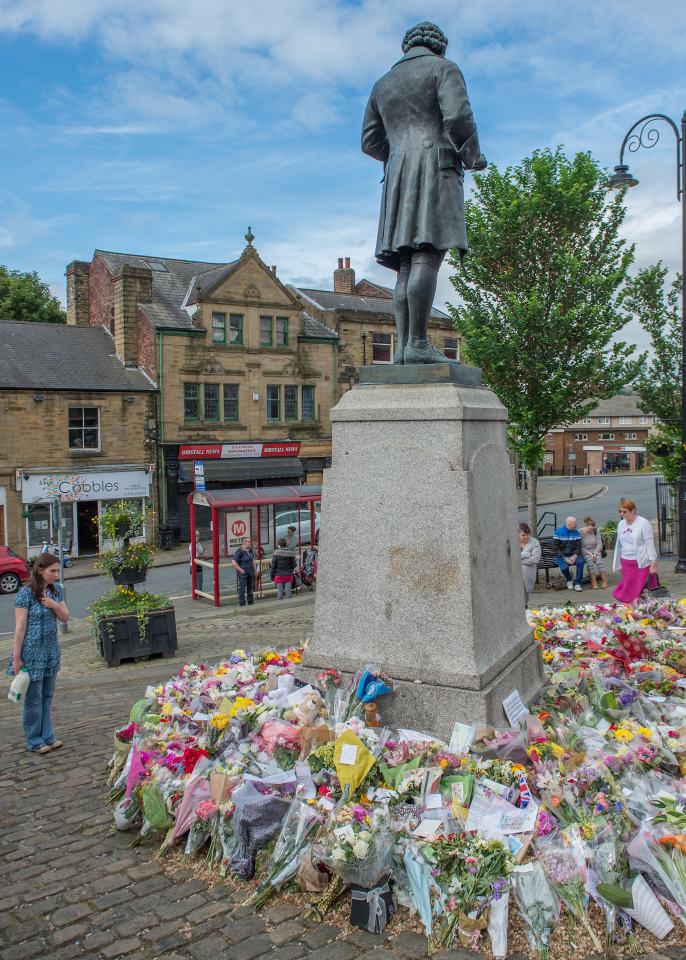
[(38, 711), (280, 587)]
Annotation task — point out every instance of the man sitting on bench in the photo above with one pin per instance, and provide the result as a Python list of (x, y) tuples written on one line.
[(568, 554)]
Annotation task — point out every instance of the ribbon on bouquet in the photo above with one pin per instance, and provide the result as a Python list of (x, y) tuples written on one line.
[(378, 913)]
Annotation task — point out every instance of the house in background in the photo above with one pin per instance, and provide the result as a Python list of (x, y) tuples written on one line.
[(78, 425), (612, 436)]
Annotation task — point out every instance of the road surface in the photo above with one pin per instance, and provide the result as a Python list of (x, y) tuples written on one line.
[(604, 506), (174, 581)]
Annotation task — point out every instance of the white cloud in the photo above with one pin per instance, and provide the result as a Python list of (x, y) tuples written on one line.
[(172, 61)]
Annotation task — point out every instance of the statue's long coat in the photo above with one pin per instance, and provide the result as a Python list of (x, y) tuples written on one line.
[(419, 123)]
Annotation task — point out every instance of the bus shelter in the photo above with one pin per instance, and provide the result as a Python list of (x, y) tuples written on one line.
[(261, 513)]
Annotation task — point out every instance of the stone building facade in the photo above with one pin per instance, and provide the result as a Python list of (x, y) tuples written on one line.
[(612, 436), (77, 427), (247, 367)]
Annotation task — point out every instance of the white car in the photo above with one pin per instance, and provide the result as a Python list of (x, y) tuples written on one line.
[(290, 519)]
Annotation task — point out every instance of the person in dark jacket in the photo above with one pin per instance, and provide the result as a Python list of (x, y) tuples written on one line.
[(243, 563), (282, 569), (568, 555), (419, 124)]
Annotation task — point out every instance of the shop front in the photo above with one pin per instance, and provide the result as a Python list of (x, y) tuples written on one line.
[(226, 466), (75, 501), (610, 457)]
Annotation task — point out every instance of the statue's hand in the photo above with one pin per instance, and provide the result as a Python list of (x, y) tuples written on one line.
[(481, 163)]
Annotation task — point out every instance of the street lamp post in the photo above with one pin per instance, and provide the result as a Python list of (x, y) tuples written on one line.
[(644, 133), (571, 458)]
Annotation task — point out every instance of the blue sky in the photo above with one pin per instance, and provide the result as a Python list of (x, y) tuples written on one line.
[(167, 126)]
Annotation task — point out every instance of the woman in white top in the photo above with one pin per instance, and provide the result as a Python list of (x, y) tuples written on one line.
[(634, 552)]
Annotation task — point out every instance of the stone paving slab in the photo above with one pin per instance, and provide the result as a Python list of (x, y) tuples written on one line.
[(72, 888)]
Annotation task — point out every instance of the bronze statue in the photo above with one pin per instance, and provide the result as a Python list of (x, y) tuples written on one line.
[(419, 124)]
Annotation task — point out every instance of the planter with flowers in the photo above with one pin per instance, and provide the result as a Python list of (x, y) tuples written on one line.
[(127, 623), (126, 562)]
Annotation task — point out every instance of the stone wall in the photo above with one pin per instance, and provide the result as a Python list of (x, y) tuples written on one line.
[(77, 293), (132, 285), (36, 435)]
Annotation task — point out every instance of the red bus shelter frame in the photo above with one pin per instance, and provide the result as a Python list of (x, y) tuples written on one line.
[(221, 502)]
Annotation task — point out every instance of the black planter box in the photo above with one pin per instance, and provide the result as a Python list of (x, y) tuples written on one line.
[(130, 575), (119, 637)]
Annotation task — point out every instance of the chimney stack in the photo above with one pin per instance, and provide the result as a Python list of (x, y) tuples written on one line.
[(274, 269), (344, 277)]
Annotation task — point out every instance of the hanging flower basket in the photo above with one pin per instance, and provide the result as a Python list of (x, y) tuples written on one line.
[(127, 576)]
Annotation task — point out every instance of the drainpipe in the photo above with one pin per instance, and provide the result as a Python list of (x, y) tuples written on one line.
[(335, 371), (161, 498)]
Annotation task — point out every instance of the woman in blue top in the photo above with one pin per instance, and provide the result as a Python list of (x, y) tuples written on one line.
[(38, 607)]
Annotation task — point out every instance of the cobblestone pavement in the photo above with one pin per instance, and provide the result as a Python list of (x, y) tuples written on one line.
[(71, 888)]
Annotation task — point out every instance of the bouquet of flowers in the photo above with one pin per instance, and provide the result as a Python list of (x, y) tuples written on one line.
[(471, 872), (358, 846), (299, 828), (538, 905), (563, 860), (202, 827)]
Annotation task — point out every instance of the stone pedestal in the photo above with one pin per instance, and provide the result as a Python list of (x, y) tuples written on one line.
[(419, 567)]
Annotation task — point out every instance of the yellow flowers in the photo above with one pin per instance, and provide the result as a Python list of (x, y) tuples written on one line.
[(241, 703), (166, 709), (624, 735), (295, 656), (219, 721), (556, 749), (646, 732)]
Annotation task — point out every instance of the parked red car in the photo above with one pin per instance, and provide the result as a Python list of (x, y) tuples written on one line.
[(13, 571)]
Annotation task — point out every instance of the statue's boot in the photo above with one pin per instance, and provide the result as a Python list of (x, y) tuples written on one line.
[(421, 351)]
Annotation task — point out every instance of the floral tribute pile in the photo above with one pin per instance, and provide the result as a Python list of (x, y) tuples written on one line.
[(298, 786)]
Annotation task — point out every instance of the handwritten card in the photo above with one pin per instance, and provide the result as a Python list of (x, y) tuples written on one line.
[(515, 708)]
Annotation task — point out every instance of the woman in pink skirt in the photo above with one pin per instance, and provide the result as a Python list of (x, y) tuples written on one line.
[(634, 552)]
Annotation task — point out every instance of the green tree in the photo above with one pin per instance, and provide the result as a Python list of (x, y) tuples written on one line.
[(656, 305), (541, 292), (24, 296)]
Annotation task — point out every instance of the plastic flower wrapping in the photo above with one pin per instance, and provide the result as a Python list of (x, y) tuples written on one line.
[(573, 819)]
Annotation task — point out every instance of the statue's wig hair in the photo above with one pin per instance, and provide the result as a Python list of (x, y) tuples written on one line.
[(425, 34)]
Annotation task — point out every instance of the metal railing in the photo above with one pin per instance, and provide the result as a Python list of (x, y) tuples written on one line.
[(545, 522), (666, 517)]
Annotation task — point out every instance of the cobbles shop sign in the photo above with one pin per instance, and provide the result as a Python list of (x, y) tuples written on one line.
[(114, 485)]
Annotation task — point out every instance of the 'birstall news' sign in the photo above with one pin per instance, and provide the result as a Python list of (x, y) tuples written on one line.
[(231, 451)]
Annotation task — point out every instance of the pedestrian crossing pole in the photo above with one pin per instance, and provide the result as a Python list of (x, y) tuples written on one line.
[(60, 553)]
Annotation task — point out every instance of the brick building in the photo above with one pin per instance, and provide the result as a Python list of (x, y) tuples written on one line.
[(246, 366), (612, 435), (362, 315), (76, 422)]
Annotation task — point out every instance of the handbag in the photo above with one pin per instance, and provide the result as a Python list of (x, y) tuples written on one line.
[(603, 548), (654, 588)]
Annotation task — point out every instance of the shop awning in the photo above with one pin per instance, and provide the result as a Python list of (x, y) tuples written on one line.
[(247, 468)]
